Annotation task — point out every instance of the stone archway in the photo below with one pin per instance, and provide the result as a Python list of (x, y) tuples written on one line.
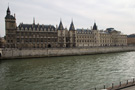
[(49, 45)]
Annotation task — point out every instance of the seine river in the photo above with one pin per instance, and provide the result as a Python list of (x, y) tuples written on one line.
[(67, 73)]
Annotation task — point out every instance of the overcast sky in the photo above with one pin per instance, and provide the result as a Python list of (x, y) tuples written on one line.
[(119, 14)]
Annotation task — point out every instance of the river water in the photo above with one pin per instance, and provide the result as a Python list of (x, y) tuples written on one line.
[(67, 73)]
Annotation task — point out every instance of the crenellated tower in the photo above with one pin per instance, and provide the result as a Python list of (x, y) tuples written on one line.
[(10, 29)]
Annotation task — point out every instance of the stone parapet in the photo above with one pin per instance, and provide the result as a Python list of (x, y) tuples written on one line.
[(9, 53)]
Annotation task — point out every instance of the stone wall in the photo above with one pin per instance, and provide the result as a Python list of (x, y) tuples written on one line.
[(27, 53), (131, 40)]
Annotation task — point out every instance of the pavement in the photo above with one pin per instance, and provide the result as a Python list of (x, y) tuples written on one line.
[(126, 86), (129, 88)]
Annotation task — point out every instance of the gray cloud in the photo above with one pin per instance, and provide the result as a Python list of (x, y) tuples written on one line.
[(119, 14)]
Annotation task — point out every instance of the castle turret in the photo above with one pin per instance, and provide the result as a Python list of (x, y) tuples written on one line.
[(72, 26), (10, 29), (61, 35), (94, 26), (8, 11), (96, 35), (60, 26), (72, 35), (8, 15)]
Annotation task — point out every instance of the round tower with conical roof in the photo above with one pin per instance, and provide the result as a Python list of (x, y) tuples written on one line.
[(72, 35), (61, 35)]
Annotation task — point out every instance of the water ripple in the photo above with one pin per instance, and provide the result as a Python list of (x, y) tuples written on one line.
[(67, 73)]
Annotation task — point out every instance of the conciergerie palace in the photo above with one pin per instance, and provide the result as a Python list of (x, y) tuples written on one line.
[(48, 36)]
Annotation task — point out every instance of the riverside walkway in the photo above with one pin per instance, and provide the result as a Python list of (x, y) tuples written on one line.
[(129, 88), (125, 86), (128, 85)]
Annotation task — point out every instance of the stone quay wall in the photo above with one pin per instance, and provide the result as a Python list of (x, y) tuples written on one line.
[(11, 53)]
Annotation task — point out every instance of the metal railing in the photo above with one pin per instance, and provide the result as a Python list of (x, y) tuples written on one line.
[(126, 84), (122, 85)]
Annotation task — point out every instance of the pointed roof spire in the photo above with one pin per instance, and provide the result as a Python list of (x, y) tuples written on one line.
[(8, 10), (94, 26), (60, 26), (8, 15), (72, 26)]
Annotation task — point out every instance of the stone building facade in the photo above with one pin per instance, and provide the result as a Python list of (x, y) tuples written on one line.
[(131, 40), (2, 42), (47, 36)]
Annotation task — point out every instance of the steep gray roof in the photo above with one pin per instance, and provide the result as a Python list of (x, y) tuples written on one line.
[(72, 26), (94, 26), (84, 31), (60, 26), (36, 26), (9, 17), (131, 36)]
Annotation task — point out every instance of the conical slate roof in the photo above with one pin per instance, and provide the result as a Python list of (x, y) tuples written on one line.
[(60, 26), (8, 10), (94, 26), (72, 26)]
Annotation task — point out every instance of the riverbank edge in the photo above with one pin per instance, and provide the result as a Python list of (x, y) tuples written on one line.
[(122, 86), (10, 53)]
